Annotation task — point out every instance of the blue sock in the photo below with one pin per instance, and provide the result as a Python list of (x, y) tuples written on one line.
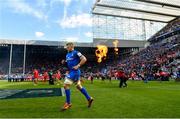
[(68, 93), (84, 92)]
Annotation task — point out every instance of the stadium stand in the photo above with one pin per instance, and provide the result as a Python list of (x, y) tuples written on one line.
[(162, 55)]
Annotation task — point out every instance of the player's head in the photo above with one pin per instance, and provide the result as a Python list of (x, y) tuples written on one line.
[(69, 46)]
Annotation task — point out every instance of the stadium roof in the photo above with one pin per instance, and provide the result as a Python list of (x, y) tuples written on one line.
[(61, 44), (152, 10), (41, 43)]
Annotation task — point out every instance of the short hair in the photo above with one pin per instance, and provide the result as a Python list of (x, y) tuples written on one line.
[(69, 43)]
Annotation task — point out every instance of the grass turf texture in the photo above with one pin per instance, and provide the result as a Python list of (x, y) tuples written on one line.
[(153, 99)]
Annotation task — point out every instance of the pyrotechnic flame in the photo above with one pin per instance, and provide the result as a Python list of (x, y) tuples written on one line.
[(101, 52), (116, 51), (115, 43)]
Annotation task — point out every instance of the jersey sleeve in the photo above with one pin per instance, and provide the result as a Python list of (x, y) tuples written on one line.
[(78, 54)]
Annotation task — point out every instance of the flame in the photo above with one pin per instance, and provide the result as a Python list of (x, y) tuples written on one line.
[(116, 51), (115, 43), (101, 52)]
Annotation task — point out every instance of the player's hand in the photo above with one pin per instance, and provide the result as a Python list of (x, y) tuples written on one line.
[(67, 72), (63, 62), (76, 67)]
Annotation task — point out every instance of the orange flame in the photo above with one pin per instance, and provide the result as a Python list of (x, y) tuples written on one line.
[(116, 51), (115, 43), (101, 52)]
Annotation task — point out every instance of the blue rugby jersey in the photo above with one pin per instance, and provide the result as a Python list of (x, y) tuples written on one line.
[(73, 59)]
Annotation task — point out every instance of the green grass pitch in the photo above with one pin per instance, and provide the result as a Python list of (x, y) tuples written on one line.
[(154, 99)]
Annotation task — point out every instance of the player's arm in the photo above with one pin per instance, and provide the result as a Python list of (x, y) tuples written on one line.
[(82, 60), (64, 63)]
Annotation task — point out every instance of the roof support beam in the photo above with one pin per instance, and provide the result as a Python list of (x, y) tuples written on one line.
[(95, 4), (96, 13), (138, 10), (160, 3)]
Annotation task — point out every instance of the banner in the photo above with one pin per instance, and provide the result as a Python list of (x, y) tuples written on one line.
[(30, 93)]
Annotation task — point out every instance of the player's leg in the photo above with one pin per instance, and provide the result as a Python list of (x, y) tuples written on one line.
[(68, 93), (67, 84), (35, 81), (45, 79), (125, 84), (92, 80), (57, 81), (121, 82), (84, 92)]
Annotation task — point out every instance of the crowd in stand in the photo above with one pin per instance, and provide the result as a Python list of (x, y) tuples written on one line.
[(152, 61), (172, 26)]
